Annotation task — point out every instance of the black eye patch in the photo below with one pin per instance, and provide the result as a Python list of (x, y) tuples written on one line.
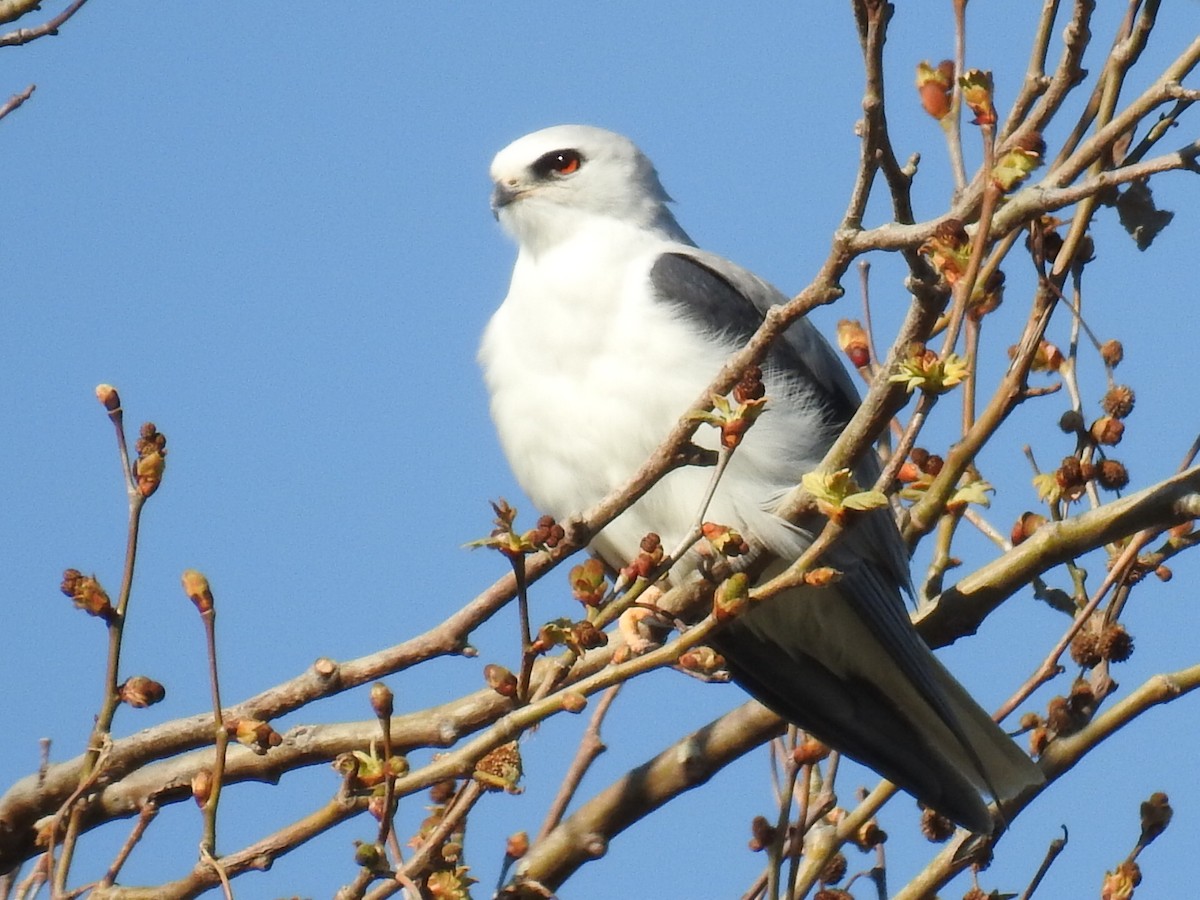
[(557, 162)]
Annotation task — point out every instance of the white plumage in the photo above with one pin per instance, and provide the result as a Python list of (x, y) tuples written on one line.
[(613, 325)]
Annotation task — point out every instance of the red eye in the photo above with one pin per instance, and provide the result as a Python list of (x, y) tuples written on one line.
[(558, 162)]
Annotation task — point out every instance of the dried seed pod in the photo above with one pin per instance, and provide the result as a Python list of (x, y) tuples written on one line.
[(1111, 475), (1118, 401), (762, 834), (1112, 352), (1116, 644), (936, 827), (1107, 430)]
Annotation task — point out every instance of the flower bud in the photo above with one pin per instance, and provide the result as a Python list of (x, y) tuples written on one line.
[(517, 845), (852, 339), (500, 680), (202, 783), (152, 459), (195, 585), (586, 636), (936, 87), (977, 94), (732, 596), (1026, 526), (809, 752), (750, 386), (382, 700), (87, 594), (108, 396), (588, 584), (140, 692), (574, 702), (256, 734), (703, 660), (1119, 884), (440, 792), (1156, 816)]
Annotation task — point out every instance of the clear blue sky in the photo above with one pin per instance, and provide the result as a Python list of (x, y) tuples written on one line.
[(269, 228)]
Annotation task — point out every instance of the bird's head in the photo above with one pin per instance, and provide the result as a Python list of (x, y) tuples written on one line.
[(550, 183)]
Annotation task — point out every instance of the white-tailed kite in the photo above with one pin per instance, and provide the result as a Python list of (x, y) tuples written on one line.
[(613, 324)]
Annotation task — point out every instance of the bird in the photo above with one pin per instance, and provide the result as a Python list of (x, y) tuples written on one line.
[(613, 324)]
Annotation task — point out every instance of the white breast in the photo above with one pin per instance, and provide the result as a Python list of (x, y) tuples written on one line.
[(588, 374)]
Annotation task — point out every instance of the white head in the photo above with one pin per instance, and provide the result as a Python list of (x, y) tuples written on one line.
[(551, 182)]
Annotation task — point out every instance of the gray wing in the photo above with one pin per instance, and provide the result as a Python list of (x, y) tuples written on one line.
[(724, 298), (779, 659)]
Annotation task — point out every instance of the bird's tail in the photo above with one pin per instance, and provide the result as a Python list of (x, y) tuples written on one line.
[(884, 701)]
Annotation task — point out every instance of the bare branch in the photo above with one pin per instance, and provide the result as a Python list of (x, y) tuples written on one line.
[(17, 100), (25, 35), (585, 835)]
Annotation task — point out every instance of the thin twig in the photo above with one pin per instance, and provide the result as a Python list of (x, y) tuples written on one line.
[(17, 100), (590, 747), (25, 35), (147, 815), (1052, 852)]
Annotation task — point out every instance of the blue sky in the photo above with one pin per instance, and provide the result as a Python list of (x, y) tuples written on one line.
[(270, 230)]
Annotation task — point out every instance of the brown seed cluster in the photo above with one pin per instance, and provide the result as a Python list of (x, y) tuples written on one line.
[(929, 463), (1096, 643), (1118, 401), (647, 560), (501, 768), (936, 827), (750, 386), (762, 834)]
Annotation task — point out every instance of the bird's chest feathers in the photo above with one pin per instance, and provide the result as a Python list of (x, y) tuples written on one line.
[(588, 372)]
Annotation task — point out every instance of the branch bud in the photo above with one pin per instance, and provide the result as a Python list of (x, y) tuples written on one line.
[(195, 585)]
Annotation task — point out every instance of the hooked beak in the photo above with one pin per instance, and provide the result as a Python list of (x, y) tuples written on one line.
[(502, 196)]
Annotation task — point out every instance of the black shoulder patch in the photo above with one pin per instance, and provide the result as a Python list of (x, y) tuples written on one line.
[(710, 300)]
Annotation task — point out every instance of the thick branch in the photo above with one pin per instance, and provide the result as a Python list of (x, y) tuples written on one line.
[(962, 608), (691, 762)]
